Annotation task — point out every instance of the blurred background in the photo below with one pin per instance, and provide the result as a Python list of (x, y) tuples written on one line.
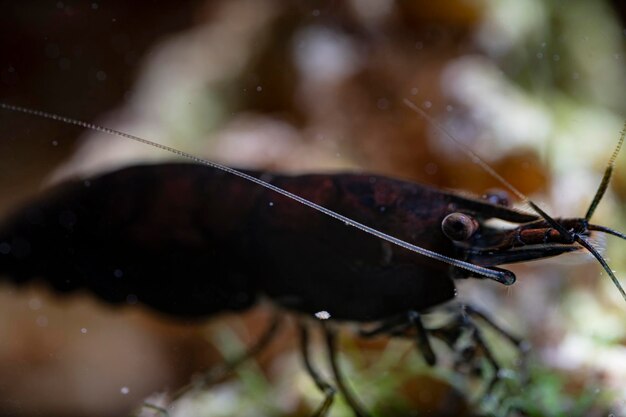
[(536, 88)]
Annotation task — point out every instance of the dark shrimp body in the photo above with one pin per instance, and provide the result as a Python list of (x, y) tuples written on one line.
[(191, 241), (194, 240)]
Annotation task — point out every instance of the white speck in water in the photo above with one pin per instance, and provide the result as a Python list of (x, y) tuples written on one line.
[(271, 204), (124, 390), (543, 44), (259, 88), (315, 12), (539, 55), (322, 315), (42, 321), (34, 303), (87, 183), (55, 143), (83, 330), (428, 104), (414, 91), (556, 57), (101, 75)]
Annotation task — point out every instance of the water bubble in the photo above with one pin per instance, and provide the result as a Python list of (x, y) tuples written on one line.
[(414, 91), (124, 390), (55, 143), (259, 88), (322, 315), (83, 330), (539, 55), (271, 204), (428, 104)]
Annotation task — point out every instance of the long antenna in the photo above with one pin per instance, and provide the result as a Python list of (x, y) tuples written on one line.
[(502, 276), (606, 177), (569, 236)]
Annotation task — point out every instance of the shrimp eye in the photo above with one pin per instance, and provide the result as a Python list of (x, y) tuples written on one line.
[(498, 197), (459, 226)]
